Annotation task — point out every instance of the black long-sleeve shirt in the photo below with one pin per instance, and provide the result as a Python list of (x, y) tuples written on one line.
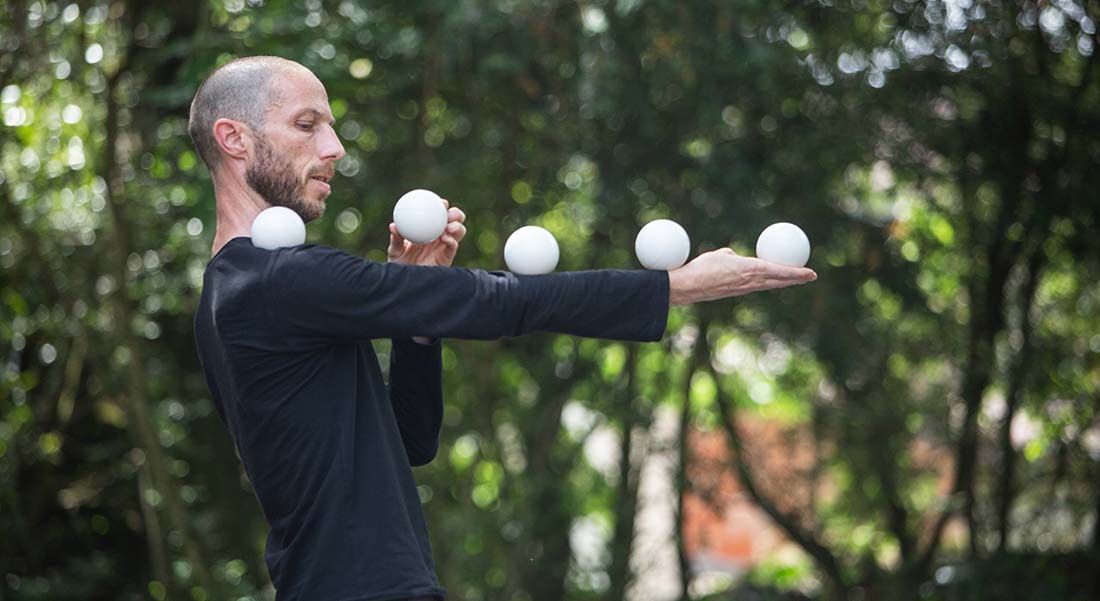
[(284, 341)]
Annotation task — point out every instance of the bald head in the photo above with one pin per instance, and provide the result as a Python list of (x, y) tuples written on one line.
[(241, 90)]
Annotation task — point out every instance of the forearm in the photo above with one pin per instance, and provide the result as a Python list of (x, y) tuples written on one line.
[(416, 395), (610, 304)]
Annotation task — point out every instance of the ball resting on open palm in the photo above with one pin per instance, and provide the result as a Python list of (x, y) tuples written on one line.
[(783, 243)]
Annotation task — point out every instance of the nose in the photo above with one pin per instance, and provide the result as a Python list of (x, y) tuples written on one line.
[(331, 149)]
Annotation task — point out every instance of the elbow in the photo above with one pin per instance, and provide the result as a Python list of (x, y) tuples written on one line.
[(423, 455)]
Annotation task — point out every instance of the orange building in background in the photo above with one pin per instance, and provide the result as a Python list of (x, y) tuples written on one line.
[(725, 531)]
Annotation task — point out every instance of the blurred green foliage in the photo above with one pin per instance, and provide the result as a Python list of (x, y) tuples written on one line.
[(941, 156)]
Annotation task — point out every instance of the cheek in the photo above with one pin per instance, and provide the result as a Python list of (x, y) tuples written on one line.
[(303, 154)]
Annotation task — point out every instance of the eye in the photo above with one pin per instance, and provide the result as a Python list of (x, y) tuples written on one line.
[(305, 126)]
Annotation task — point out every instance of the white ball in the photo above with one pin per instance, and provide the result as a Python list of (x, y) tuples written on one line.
[(531, 250), (783, 243), (420, 216), (278, 227), (662, 245)]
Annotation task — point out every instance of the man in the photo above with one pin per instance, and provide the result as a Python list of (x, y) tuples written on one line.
[(284, 339)]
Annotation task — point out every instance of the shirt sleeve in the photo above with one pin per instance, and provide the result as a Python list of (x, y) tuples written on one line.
[(325, 295), (416, 394)]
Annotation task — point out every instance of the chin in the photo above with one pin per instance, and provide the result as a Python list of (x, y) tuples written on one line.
[(315, 211)]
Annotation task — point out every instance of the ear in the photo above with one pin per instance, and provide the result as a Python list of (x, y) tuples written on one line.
[(232, 137)]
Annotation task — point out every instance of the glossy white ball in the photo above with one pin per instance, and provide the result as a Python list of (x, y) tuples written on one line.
[(278, 227), (420, 216), (783, 243), (531, 250), (662, 244)]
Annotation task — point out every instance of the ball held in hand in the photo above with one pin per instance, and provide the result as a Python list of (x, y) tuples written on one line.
[(420, 216)]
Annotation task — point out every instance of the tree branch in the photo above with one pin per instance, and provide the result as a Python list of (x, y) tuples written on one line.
[(789, 522)]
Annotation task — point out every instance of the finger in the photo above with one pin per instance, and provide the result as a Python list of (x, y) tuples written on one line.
[(799, 276), (397, 241), (456, 214), (450, 243), (394, 234), (456, 229), (784, 282), (787, 281), (446, 202), (771, 283), (785, 272), (805, 275)]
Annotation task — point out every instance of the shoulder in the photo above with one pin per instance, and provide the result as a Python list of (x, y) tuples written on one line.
[(315, 268), (308, 253), (241, 271), (312, 260)]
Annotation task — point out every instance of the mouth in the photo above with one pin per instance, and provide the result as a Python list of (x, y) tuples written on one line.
[(322, 179)]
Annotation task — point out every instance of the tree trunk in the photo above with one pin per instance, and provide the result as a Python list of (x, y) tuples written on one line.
[(986, 322), (1006, 487), (139, 422), (626, 499), (550, 520), (683, 486), (1096, 523), (153, 535), (681, 479)]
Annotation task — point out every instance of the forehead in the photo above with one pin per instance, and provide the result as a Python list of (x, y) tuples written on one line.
[(296, 90)]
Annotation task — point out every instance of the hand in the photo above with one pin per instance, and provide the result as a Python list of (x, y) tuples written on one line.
[(723, 273), (437, 253)]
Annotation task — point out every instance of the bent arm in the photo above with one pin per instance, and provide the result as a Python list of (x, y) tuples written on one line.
[(416, 394)]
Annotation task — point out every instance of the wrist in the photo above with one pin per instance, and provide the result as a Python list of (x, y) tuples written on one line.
[(678, 286)]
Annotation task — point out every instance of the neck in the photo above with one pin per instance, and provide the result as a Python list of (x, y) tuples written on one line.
[(238, 204)]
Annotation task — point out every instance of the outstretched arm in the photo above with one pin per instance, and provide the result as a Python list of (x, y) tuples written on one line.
[(329, 295), (325, 295)]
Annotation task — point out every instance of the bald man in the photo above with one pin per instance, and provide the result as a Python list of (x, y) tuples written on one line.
[(284, 338)]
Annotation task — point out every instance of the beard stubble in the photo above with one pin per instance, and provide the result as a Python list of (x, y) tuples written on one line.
[(272, 177)]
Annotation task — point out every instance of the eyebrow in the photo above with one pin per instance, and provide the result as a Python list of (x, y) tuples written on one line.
[(315, 113)]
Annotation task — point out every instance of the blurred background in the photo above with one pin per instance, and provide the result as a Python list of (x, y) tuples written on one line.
[(923, 422)]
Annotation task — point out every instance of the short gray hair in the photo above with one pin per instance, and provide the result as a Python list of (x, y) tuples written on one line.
[(240, 90)]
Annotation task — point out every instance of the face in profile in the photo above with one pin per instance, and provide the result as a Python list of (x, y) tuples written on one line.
[(272, 175), (295, 152)]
